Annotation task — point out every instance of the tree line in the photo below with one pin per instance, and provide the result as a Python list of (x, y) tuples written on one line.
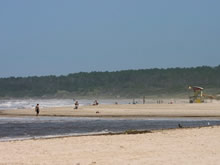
[(127, 83)]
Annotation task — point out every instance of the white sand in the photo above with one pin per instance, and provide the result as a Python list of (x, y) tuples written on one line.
[(197, 146)]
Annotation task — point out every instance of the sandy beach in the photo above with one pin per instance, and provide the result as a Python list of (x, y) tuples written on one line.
[(126, 110), (174, 146), (179, 146)]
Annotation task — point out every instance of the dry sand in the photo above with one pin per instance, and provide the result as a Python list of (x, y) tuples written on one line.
[(197, 146), (129, 110)]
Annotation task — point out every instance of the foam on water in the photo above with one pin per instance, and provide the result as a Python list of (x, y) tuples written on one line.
[(31, 103)]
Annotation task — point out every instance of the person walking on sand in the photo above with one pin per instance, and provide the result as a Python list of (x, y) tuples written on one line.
[(37, 109)]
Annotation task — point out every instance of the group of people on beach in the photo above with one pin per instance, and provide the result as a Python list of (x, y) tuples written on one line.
[(95, 102), (76, 104)]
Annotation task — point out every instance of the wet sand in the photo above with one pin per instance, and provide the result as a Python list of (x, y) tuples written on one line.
[(179, 146), (123, 110)]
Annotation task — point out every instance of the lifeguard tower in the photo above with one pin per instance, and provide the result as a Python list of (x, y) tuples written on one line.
[(197, 96)]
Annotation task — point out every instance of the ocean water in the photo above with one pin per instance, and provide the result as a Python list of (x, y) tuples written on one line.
[(13, 104), (31, 103), (17, 128)]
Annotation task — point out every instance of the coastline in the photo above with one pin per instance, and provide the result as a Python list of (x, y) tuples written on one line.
[(182, 146), (211, 110), (198, 145)]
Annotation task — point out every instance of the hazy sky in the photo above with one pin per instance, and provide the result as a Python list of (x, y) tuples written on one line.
[(54, 37)]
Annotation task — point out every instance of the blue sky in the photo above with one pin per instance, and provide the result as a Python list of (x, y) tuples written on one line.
[(58, 37)]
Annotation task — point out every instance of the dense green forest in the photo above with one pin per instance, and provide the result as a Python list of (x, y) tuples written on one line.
[(127, 83)]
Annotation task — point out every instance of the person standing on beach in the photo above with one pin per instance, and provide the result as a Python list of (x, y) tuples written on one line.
[(37, 109)]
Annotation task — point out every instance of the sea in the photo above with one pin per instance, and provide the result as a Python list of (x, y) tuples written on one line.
[(20, 128), (13, 104)]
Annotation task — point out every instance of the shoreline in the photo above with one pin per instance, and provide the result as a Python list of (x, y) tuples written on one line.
[(197, 145), (128, 132), (117, 116), (182, 146), (207, 110)]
